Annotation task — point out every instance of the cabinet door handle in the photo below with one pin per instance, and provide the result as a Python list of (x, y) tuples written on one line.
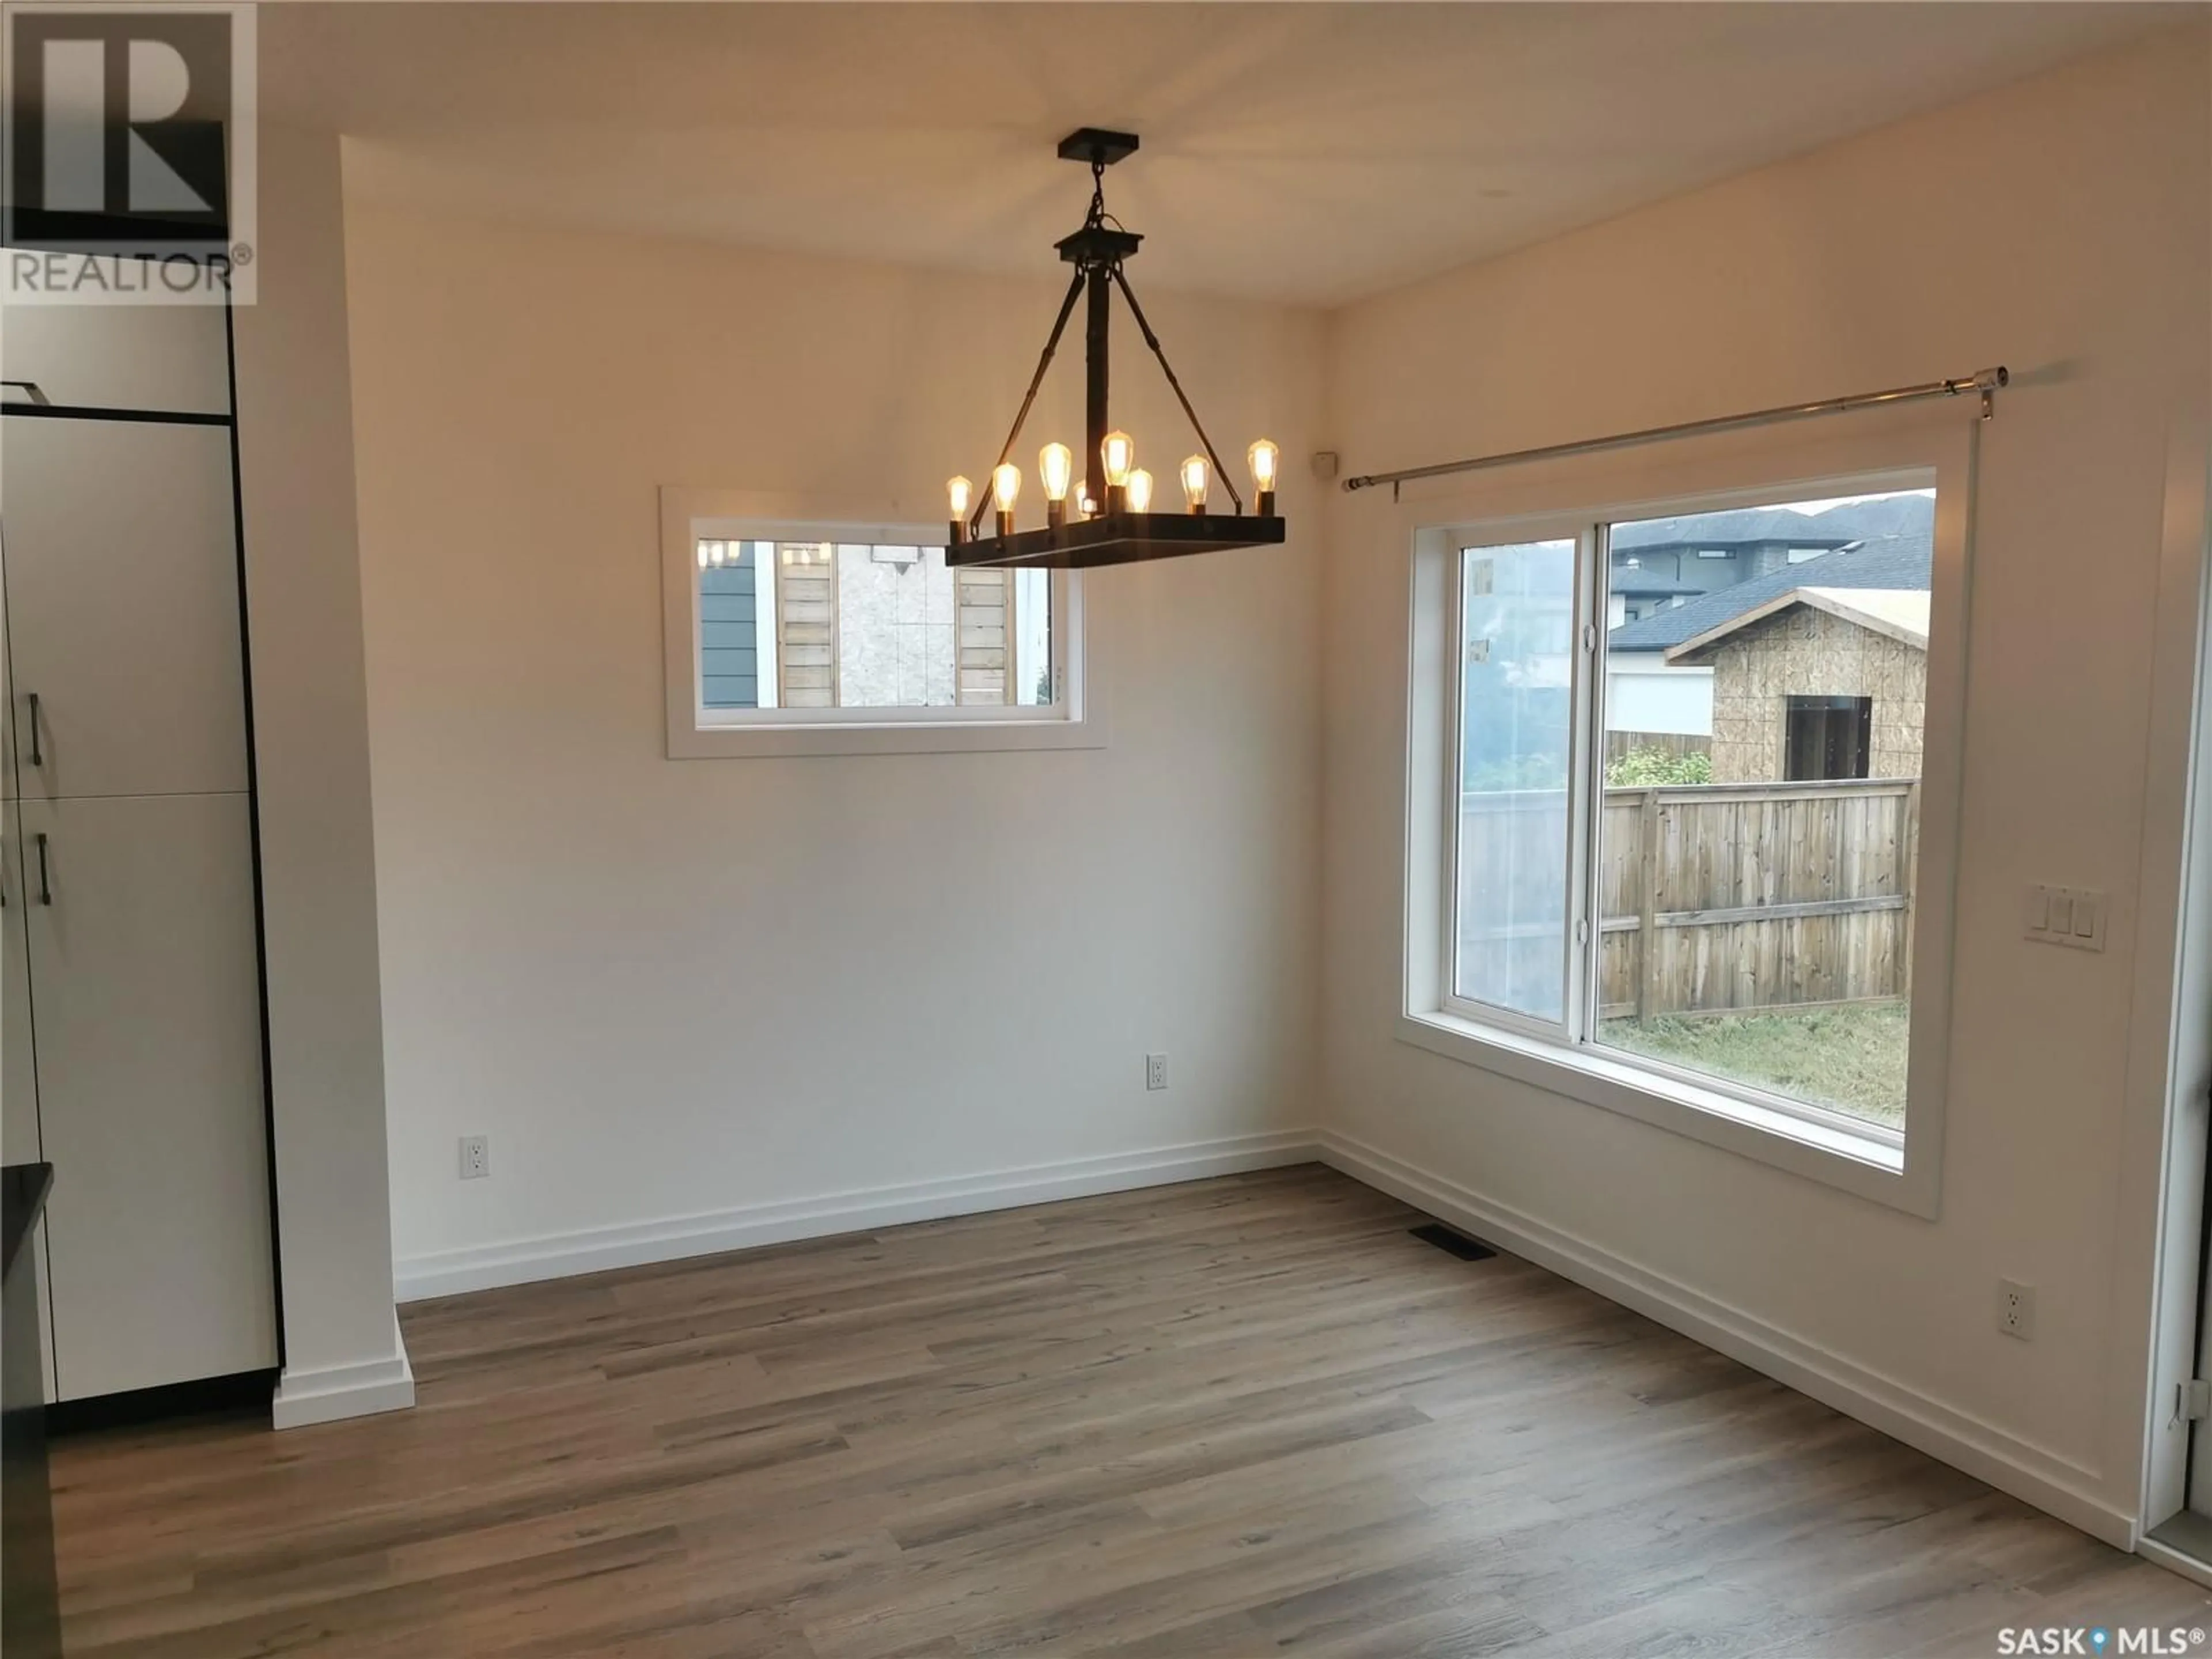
[(37, 756), (46, 885)]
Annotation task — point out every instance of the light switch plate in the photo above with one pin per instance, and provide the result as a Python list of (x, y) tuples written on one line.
[(2072, 916)]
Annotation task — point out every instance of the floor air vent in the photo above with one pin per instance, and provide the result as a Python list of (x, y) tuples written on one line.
[(1466, 1248)]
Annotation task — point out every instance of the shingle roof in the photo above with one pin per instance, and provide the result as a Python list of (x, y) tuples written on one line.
[(1898, 561), (1863, 520)]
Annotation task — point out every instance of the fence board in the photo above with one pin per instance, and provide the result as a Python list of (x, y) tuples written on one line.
[(1710, 897)]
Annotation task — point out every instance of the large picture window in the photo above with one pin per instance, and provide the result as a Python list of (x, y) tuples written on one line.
[(1682, 840)]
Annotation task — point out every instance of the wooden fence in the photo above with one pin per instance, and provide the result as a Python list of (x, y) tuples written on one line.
[(1711, 897)]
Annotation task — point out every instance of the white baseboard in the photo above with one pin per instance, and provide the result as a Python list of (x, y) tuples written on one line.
[(451, 1272), (326, 1394), (2027, 1472)]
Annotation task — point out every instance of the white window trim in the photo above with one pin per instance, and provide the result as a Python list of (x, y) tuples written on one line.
[(1898, 450), (1078, 720)]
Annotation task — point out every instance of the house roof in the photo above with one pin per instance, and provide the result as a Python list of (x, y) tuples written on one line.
[(1899, 613), (1898, 563), (1649, 584), (1848, 521)]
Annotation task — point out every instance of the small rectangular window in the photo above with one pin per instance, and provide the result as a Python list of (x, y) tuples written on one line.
[(775, 629), (1828, 738)]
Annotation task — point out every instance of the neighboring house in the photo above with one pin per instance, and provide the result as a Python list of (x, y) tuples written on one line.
[(1673, 579), (1635, 591), (1819, 681), (1706, 551)]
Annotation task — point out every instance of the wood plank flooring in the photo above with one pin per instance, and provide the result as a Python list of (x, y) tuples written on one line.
[(1233, 1418)]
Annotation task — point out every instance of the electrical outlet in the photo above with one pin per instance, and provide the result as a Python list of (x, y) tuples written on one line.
[(2016, 1309), (476, 1156), (1156, 1072)]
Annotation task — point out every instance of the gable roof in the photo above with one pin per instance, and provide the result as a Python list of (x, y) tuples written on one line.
[(1898, 613), (1898, 563)]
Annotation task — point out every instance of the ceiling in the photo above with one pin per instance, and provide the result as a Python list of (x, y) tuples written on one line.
[(1309, 152)]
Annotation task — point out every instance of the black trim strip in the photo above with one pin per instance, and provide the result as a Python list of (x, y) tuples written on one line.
[(253, 824), (89, 412), (242, 1392)]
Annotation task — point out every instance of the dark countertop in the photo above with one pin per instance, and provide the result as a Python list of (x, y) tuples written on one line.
[(23, 1189)]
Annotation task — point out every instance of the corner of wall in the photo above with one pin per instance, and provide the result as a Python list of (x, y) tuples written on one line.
[(311, 751)]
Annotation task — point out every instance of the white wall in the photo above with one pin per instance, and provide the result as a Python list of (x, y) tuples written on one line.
[(674, 993), (1641, 696), (342, 1352), (2059, 227)]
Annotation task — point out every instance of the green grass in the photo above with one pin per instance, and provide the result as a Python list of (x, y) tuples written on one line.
[(1850, 1059)]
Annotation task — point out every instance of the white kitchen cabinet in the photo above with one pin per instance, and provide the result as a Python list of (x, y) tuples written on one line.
[(131, 1047), (147, 1012), (174, 358), (122, 575)]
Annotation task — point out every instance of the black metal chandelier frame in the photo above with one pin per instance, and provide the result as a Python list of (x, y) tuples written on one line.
[(1113, 533)]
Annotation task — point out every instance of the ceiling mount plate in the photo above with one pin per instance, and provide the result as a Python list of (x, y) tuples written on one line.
[(1096, 146)]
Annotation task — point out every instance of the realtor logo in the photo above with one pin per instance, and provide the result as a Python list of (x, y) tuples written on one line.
[(128, 169)]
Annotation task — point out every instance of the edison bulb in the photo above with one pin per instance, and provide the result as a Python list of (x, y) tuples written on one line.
[(962, 493), (1056, 465), (1117, 455), (1197, 478), (1005, 486), (1140, 491), (1264, 457)]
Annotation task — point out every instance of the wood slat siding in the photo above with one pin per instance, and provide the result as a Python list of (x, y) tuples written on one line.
[(729, 646), (984, 635), (1710, 897), (807, 625)]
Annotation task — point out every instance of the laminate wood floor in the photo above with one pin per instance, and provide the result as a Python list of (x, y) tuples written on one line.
[(1232, 1418)]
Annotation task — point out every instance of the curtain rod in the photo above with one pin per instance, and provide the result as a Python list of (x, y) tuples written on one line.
[(1986, 381)]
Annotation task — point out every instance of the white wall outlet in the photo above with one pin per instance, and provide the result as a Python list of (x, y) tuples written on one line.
[(2066, 915), (476, 1156), (2016, 1309), (1156, 1072)]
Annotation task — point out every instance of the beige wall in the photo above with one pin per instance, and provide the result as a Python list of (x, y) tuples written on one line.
[(678, 995), (2060, 226), (1804, 652)]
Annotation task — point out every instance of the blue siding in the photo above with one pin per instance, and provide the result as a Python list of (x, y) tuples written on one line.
[(729, 666)]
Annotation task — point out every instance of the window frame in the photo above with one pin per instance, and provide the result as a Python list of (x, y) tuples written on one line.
[(1900, 1169), (1563, 529), (1076, 719)]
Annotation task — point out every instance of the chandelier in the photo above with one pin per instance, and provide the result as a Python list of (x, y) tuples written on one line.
[(1111, 522)]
